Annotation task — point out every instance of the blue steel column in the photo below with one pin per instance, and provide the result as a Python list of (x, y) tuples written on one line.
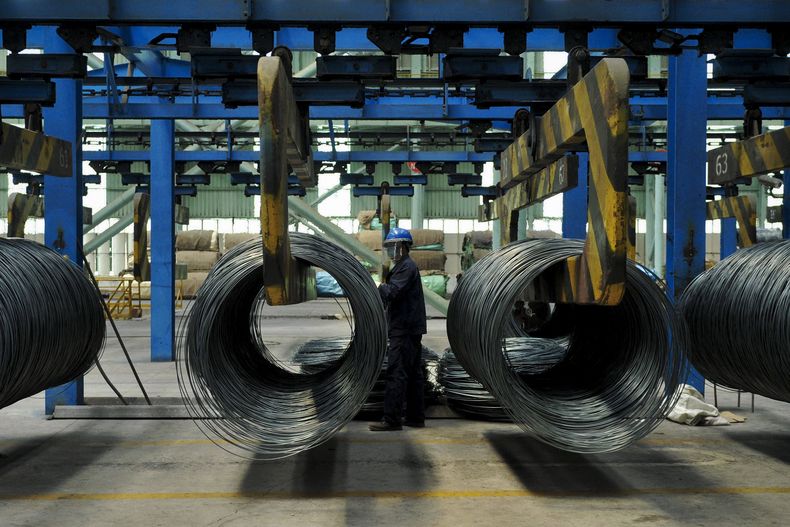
[(162, 241), (63, 196), (574, 204), (786, 201), (728, 238), (786, 206), (686, 137)]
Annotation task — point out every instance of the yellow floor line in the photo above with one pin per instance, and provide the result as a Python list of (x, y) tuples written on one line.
[(411, 439), (384, 494)]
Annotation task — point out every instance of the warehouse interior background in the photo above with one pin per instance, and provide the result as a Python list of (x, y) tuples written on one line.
[(154, 370)]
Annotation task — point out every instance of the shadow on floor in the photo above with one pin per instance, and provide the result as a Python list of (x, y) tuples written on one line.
[(355, 467), (45, 464), (774, 444), (654, 475)]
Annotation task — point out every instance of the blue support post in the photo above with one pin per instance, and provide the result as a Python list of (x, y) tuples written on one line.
[(686, 137), (786, 206), (574, 204), (786, 201), (162, 241), (728, 238), (63, 196)]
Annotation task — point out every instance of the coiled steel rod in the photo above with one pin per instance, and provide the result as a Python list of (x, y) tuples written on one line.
[(618, 378), (239, 395), (51, 320), (738, 314)]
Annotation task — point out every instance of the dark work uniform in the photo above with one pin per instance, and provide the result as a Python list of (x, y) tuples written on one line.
[(402, 296)]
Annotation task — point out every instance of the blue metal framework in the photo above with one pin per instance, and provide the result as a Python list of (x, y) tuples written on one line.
[(686, 131), (574, 202), (600, 13), (63, 211), (162, 241), (139, 22)]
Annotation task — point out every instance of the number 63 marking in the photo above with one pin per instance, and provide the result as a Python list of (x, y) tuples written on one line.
[(721, 164)]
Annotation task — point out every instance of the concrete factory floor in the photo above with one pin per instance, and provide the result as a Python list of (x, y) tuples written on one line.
[(454, 472)]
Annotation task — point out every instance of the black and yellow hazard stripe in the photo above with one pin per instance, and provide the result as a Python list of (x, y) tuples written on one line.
[(20, 208), (554, 179), (631, 252), (755, 156), (740, 208), (283, 145), (595, 111), (22, 149), (141, 266)]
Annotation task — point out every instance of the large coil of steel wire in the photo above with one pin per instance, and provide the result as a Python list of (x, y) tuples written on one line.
[(618, 378), (237, 390), (51, 320), (738, 315), (467, 397), (318, 354)]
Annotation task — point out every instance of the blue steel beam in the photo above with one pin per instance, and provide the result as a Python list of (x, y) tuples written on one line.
[(679, 13), (574, 202), (63, 197), (162, 242), (686, 212), (728, 237), (786, 206), (786, 201), (641, 110), (355, 39), (362, 156)]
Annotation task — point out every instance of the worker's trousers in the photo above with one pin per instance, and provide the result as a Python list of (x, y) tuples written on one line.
[(404, 380)]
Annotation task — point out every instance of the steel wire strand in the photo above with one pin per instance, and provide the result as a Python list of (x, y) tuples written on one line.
[(51, 321), (738, 315), (618, 378), (241, 399)]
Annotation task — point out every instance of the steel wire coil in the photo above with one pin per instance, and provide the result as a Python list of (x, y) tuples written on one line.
[(738, 314), (239, 395), (51, 320), (318, 354), (466, 396), (617, 380)]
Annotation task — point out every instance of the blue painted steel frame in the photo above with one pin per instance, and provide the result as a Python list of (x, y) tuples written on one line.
[(686, 138), (355, 39), (728, 239), (63, 197), (359, 156), (162, 241), (574, 203), (642, 109), (786, 206), (786, 200), (679, 13)]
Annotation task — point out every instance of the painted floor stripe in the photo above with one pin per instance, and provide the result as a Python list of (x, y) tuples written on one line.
[(385, 494), (411, 439)]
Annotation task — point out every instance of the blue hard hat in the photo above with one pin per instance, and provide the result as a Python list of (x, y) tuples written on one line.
[(396, 235)]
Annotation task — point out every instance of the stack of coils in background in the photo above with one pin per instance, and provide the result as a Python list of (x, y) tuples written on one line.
[(738, 315), (467, 397), (233, 386), (51, 320), (318, 354), (618, 378)]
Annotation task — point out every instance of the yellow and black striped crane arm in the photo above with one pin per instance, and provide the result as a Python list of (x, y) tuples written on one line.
[(592, 116)]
